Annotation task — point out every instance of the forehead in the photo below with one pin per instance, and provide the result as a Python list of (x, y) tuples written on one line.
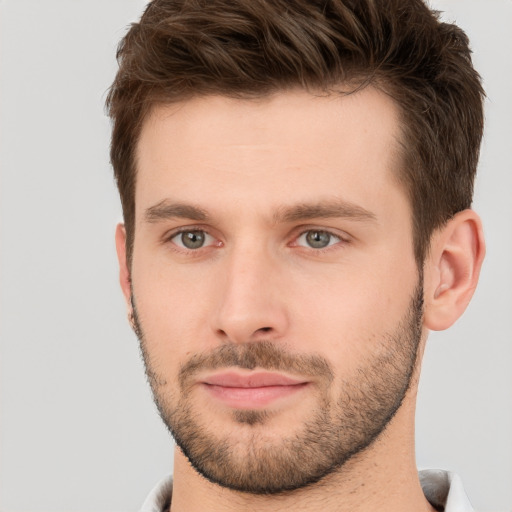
[(290, 146)]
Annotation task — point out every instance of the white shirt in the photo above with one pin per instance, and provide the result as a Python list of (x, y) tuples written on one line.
[(442, 489)]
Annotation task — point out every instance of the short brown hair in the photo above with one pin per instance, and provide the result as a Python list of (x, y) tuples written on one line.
[(252, 48)]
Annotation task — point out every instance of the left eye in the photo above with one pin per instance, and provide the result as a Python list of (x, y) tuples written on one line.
[(317, 239), (193, 239)]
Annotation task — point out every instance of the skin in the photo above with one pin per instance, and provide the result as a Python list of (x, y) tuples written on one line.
[(245, 163)]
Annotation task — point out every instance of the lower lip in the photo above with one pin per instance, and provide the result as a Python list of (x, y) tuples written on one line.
[(252, 398)]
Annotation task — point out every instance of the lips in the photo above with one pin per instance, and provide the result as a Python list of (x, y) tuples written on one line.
[(254, 380), (251, 391)]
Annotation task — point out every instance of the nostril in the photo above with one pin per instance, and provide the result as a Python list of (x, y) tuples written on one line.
[(265, 329)]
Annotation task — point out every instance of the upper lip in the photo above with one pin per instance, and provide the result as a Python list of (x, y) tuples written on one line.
[(251, 380)]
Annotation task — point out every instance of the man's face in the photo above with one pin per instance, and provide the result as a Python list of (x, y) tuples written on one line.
[(274, 284)]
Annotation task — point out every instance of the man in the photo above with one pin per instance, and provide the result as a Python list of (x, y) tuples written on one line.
[(296, 181)]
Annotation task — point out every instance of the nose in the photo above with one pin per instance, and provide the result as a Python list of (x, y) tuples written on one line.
[(251, 302)]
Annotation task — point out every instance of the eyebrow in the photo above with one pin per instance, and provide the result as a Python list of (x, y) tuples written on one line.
[(166, 209), (323, 210)]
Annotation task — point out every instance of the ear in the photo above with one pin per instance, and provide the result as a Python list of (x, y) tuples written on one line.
[(124, 270), (452, 269)]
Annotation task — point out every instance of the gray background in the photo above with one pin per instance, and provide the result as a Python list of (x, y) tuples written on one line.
[(78, 430)]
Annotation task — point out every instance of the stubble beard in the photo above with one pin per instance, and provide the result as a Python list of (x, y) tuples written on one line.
[(338, 429)]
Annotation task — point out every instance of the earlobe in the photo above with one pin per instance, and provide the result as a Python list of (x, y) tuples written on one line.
[(124, 270), (452, 269)]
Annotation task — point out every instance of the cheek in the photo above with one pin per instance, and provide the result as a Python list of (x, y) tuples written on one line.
[(347, 315), (171, 308)]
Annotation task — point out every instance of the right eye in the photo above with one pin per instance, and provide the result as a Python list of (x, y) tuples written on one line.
[(192, 239)]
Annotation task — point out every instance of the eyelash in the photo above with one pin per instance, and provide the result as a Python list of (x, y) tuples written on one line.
[(194, 229), (343, 240), (330, 246)]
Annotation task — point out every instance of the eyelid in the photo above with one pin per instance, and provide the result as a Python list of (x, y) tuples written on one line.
[(342, 236), (173, 233)]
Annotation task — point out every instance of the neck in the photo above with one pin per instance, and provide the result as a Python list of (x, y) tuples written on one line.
[(383, 477)]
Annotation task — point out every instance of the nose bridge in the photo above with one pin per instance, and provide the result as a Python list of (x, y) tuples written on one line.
[(249, 303)]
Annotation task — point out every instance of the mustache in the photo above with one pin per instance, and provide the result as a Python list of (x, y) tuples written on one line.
[(259, 354), (263, 354)]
